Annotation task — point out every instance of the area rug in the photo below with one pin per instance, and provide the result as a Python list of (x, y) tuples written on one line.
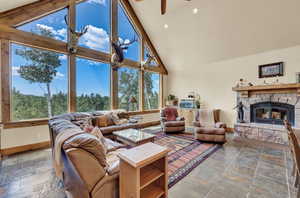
[(185, 155)]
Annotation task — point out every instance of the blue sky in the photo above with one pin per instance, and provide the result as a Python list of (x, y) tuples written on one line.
[(92, 77)]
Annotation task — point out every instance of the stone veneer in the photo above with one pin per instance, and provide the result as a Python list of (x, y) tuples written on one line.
[(266, 132)]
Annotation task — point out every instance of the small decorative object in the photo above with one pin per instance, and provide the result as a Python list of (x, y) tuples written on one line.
[(270, 70), (191, 95), (242, 83), (118, 50), (298, 77), (74, 37), (250, 84), (240, 107), (172, 100)]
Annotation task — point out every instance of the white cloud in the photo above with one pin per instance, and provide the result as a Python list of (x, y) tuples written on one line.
[(15, 71), (95, 38), (62, 57), (59, 75), (60, 34), (102, 2)]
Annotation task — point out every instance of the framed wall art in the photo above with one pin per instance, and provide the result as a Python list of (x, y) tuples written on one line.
[(271, 70)]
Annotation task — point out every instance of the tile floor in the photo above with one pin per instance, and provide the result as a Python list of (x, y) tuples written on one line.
[(240, 169)]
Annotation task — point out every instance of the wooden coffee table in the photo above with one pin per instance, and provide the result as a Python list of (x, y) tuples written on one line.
[(133, 137)]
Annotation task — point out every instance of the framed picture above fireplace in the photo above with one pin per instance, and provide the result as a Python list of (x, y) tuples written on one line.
[(270, 70)]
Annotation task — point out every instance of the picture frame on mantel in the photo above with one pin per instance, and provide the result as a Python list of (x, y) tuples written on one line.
[(271, 70)]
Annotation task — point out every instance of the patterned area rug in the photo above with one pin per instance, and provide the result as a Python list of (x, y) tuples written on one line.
[(185, 155)]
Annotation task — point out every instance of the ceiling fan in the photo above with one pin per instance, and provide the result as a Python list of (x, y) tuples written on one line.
[(163, 6)]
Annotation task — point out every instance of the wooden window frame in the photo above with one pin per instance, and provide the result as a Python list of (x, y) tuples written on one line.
[(24, 14)]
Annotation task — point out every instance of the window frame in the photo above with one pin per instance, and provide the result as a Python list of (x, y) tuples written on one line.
[(36, 41)]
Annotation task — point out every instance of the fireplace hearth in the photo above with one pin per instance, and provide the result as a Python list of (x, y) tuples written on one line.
[(272, 113)]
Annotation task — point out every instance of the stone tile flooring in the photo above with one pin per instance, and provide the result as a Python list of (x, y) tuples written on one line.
[(242, 168)]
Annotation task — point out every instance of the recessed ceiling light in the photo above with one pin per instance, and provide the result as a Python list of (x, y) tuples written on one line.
[(195, 10), (166, 26)]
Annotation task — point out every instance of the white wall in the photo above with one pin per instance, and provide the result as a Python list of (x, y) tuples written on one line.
[(214, 81)]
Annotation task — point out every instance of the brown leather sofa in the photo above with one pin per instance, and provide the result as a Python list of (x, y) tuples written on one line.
[(171, 121), (84, 175), (213, 133)]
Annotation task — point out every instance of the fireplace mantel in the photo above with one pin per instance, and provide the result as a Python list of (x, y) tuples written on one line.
[(268, 89)]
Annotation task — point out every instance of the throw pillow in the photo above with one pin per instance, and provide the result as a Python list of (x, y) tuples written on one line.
[(97, 133), (102, 121)]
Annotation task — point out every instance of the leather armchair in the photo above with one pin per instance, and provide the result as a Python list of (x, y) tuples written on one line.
[(171, 121), (215, 132)]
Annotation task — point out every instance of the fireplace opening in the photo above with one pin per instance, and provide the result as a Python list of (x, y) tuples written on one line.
[(272, 113)]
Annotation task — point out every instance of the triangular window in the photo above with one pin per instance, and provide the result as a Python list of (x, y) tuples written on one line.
[(94, 14), (149, 58), (52, 25), (128, 35)]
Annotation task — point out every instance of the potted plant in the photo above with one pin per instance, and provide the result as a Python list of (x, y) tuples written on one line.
[(197, 101)]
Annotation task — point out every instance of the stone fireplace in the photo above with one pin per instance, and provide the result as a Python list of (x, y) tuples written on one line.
[(265, 109)]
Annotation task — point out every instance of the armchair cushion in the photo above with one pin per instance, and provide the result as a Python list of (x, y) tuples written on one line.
[(205, 117), (220, 125), (179, 118), (174, 123), (196, 124), (170, 114)]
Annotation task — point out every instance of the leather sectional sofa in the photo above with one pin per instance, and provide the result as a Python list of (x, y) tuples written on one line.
[(83, 174)]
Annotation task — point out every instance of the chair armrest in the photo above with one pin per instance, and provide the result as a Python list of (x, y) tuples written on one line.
[(163, 119), (220, 125), (196, 124), (179, 118)]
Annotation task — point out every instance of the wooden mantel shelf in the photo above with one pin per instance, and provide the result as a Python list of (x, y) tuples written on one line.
[(262, 89)]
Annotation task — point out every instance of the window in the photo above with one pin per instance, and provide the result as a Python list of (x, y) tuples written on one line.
[(127, 33), (92, 85), (52, 25), (149, 58), (128, 89), (151, 90), (94, 14), (39, 83)]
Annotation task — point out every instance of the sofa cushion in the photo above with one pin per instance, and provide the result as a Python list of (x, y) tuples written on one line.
[(112, 145), (102, 121), (210, 130), (113, 160), (89, 143), (174, 123)]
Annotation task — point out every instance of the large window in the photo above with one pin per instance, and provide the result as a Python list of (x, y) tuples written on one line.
[(128, 89), (52, 25), (39, 83), (92, 85), (151, 90), (94, 14), (128, 34)]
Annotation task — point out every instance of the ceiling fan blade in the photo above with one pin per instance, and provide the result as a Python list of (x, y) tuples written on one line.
[(163, 6)]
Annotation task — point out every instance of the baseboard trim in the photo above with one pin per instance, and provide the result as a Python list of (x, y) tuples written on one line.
[(28, 147)]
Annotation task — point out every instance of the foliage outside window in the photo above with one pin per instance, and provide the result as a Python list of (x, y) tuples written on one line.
[(39, 82), (53, 23), (151, 90), (128, 89), (92, 85), (94, 14)]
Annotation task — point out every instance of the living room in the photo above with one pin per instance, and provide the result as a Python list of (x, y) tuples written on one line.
[(139, 98)]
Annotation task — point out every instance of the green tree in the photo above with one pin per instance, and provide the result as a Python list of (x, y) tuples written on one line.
[(42, 67)]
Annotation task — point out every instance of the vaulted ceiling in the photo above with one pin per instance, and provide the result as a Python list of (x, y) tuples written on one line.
[(220, 30)]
